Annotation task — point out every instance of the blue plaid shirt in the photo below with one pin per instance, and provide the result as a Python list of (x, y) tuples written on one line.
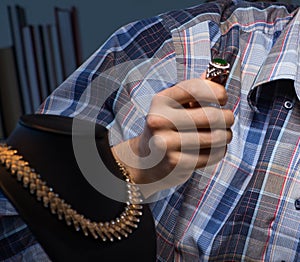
[(241, 209)]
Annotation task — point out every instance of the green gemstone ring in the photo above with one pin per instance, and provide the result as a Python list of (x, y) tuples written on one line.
[(218, 71)]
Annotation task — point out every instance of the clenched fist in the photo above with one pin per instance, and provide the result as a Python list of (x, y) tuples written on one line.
[(186, 128)]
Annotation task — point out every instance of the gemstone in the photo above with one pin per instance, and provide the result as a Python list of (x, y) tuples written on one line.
[(220, 61)]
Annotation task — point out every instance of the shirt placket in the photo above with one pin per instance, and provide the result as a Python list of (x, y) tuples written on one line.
[(265, 197)]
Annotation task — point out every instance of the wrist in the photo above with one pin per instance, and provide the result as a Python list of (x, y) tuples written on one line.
[(127, 155)]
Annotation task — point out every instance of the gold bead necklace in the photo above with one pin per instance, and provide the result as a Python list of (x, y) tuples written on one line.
[(117, 228)]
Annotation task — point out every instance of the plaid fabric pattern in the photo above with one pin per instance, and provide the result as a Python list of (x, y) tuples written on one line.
[(15, 236), (241, 209)]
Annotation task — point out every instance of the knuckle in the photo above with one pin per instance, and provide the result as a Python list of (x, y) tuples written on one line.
[(159, 100), (155, 141), (222, 95), (158, 142), (154, 100), (229, 136), (153, 122), (173, 159), (230, 118), (156, 97), (169, 140)]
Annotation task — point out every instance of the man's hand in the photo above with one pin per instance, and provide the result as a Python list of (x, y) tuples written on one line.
[(186, 129)]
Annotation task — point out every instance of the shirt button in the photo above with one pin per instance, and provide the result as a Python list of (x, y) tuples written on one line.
[(288, 105), (297, 204)]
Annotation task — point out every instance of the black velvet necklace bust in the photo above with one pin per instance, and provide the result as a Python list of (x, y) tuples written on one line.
[(45, 141)]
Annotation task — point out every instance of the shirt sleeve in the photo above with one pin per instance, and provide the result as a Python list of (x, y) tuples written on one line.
[(104, 83)]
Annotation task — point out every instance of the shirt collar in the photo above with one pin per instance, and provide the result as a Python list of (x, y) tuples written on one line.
[(198, 39), (283, 61)]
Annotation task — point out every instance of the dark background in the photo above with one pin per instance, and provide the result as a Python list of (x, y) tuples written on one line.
[(97, 19)]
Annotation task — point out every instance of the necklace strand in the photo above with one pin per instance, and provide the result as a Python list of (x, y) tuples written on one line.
[(117, 228)]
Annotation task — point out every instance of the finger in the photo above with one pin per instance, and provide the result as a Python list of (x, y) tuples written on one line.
[(190, 119), (204, 117), (206, 157), (194, 90), (183, 141)]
